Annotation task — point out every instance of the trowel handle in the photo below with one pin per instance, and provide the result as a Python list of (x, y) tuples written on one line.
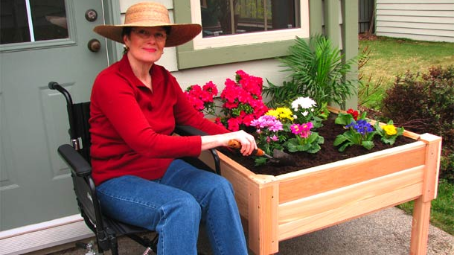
[(235, 144)]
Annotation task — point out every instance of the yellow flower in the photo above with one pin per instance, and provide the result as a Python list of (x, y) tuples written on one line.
[(285, 113), (390, 129), (273, 113)]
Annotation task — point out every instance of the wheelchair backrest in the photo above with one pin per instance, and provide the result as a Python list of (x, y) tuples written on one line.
[(81, 128)]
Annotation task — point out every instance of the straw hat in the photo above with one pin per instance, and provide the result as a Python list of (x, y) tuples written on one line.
[(149, 14)]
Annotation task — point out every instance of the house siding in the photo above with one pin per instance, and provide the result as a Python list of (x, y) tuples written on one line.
[(426, 20)]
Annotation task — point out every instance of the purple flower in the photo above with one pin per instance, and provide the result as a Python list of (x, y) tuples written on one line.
[(361, 126), (267, 121)]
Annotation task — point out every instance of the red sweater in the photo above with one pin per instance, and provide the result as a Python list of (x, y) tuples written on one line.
[(131, 126)]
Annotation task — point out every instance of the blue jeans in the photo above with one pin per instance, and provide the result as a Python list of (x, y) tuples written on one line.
[(175, 205)]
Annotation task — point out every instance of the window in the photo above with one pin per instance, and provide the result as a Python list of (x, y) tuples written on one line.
[(32, 20), (238, 22)]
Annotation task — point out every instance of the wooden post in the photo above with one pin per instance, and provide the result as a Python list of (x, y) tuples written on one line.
[(262, 216), (421, 211)]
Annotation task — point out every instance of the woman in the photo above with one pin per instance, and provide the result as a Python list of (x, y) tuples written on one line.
[(135, 105)]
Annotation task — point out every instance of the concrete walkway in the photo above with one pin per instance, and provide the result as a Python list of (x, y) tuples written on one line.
[(386, 232)]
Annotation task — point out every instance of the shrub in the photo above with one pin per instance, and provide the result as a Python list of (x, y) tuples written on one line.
[(425, 104), (317, 71)]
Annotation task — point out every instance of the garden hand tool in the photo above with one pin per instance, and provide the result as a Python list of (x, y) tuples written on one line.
[(278, 158), (235, 144)]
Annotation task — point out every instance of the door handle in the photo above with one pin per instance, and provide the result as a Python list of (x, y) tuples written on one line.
[(94, 45)]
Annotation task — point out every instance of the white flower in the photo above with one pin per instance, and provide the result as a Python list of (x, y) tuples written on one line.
[(303, 102)]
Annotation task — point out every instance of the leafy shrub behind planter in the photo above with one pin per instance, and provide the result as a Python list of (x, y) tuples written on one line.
[(317, 70), (425, 104)]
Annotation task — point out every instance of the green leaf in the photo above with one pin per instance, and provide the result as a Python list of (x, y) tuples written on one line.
[(368, 144), (314, 148), (340, 139), (259, 161), (344, 146)]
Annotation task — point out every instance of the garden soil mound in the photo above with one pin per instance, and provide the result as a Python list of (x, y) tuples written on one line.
[(329, 153)]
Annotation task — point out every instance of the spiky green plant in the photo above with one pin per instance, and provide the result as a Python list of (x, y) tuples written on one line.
[(318, 70)]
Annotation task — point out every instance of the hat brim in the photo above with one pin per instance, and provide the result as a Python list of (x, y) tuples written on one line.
[(179, 33)]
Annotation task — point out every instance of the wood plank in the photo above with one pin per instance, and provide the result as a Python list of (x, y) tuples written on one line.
[(263, 218), (414, 7), (425, 32), (431, 173), (240, 182), (415, 14), (328, 201), (350, 171), (432, 20), (417, 25), (418, 37), (347, 212), (420, 227)]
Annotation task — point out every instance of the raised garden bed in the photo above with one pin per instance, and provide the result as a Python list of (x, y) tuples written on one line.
[(280, 207)]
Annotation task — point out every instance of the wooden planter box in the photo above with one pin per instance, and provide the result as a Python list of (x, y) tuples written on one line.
[(280, 207)]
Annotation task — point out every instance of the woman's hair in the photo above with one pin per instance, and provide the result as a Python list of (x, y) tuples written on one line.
[(127, 30)]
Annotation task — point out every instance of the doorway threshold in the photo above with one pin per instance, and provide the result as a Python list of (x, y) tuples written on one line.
[(43, 235)]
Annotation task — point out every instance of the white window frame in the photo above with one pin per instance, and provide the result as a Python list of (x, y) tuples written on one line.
[(249, 38)]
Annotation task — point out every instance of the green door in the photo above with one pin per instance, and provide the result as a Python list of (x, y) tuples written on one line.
[(41, 41)]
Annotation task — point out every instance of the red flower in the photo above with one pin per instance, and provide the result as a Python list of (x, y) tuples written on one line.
[(234, 124), (242, 100), (202, 98), (353, 113)]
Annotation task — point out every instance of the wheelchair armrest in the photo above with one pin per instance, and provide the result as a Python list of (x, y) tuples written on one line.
[(79, 166), (188, 131)]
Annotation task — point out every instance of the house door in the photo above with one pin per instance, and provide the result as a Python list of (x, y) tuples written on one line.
[(41, 41)]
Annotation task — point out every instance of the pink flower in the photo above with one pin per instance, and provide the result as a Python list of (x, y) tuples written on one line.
[(303, 130)]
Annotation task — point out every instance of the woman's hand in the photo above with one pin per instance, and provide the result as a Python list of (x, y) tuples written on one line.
[(247, 141)]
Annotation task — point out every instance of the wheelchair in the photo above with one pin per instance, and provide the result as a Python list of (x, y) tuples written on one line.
[(77, 156)]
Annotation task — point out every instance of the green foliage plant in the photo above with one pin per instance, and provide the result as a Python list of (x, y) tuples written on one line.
[(281, 95), (359, 131), (304, 139), (318, 71)]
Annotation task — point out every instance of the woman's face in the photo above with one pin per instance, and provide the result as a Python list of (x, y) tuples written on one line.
[(146, 44)]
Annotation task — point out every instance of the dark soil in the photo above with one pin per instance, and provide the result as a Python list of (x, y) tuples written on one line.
[(329, 153)]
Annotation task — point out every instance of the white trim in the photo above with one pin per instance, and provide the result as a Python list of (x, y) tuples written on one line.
[(43, 235), (249, 38), (31, 29)]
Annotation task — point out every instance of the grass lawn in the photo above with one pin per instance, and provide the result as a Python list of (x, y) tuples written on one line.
[(389, 58)]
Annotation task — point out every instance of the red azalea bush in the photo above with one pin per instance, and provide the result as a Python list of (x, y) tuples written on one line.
[(242, 101), (202, 98)]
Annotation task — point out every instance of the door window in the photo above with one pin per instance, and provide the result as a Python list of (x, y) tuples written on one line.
[(32, 21)]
